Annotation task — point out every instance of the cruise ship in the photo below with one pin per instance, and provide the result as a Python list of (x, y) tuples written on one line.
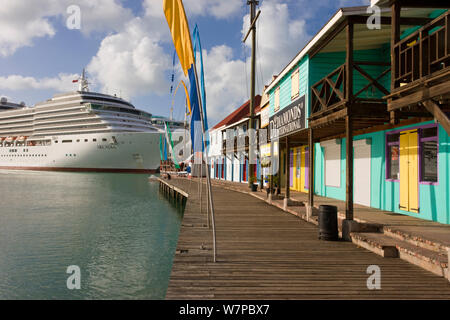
[(81, 131)]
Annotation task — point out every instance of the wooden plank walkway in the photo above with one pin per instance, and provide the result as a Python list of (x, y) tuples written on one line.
[(265, 253)]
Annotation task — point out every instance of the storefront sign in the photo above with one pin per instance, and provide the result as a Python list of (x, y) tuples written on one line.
[(288, 120), (264, 117)]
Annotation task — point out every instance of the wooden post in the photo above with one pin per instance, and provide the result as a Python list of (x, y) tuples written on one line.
[(288, 178), (349, 168), (271, 172), (349, 65), (251, 147), (395, 37), (349, 125), (311, 174)]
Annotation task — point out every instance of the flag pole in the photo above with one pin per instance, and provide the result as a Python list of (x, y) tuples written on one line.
[(208, 178)]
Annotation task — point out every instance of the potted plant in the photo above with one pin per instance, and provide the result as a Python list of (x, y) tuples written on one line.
[(254, 184), (272, 181), (276, 185)]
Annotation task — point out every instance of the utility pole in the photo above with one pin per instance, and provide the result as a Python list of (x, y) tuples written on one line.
[(251, 151)]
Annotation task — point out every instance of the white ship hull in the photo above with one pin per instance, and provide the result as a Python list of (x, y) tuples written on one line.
[(109, 152)]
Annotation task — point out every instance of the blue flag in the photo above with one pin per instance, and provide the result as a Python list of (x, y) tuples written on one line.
[(195, 112), (198, 47)]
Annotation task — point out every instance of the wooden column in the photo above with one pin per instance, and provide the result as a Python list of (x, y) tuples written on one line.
[(349, 125), (311, 170), (349, 65), (288, 178), (349, 168), (395, 37)]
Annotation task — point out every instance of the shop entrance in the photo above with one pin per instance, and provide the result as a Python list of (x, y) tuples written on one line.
[(409, 171)]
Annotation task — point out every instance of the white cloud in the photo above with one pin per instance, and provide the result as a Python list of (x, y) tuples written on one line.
[(224, 81), (21, 21), (280, 37), (132, 61), (218, 9), (61, 83)]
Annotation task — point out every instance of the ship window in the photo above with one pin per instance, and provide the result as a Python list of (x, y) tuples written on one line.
[(67, 141), (56, 141), (78, 140), (85, 140), (104, 139), (95, 140)]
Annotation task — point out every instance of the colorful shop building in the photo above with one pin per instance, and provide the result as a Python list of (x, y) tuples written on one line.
[(231, 162), (386, 89)]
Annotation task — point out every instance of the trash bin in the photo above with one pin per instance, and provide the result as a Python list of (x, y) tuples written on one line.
[(328, 225)]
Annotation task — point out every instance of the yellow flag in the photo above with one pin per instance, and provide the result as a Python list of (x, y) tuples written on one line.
[(187, 95), (179, 28)]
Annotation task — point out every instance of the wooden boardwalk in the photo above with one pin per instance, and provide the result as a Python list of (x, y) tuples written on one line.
[(265, 253)]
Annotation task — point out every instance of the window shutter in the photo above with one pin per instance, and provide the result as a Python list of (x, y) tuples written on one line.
[(277, 99), (295, 85)]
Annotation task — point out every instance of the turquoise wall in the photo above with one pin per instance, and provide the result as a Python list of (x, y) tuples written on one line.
[(434, 200), (285, 85), (323, 64)]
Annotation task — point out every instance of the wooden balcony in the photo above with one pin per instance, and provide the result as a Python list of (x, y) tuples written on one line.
[(423, 53), (331, 100), (243, 144), (421, 73), (240, 144)]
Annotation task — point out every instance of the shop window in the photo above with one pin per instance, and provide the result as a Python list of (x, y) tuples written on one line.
[(393, 156), (428, 155)]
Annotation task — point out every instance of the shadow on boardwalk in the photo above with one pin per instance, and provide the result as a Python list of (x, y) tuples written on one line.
[(265, 253)]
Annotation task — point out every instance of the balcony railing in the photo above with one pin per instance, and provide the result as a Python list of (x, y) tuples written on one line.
[(331, 93), (423, 52), (240, 143)]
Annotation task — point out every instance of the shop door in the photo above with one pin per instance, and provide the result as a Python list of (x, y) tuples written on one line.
[(306, 175), (409, 171), (244, 169), (298, 168), (291, 168), (361, 176)]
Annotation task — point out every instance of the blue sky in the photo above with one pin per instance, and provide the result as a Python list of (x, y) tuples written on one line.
[(127, 50)]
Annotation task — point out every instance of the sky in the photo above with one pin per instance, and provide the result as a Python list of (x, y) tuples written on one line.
[(126, 48)]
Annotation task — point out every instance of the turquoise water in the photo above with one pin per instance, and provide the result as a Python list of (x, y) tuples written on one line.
[(116, 227)]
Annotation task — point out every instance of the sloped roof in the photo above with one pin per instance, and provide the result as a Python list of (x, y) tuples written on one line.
[(242, 112)]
